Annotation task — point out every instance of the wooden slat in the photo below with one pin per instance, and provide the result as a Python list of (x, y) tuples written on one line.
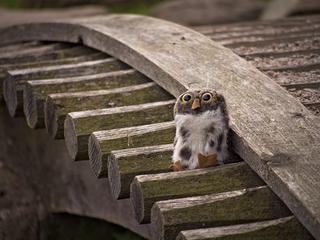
[(148, 189), (293, 76), (36, 91), (66, 60), (102, 143), (281, 45), (41, 56), (229, 208), (282, 228), (14, 83), (79, 125), (125, 164), (58, 105), (19, 46), (284, 23), (11, 57), (285, 61), (260, 38), (267, 133), (266, 32)]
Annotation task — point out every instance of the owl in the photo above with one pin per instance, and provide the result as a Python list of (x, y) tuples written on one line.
[(202, 125)]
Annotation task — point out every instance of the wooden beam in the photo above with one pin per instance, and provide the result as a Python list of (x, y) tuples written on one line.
[(281, 147), (79, 125), (125, 164), (36, 91), (229, 208), (14, 84), (103, 142), (148, 189), (58, 105), (282, 228)]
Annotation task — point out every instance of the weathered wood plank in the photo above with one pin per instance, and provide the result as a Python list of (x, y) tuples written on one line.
[(14, 84), (280, 45), (229, 208), (275, 143), (66, 60), (10, 57), (125, 164), (36, 91), (19, 46), (58, 105), (102, 143), (285, 61), (239, 27), (293, 76), (148, 189), (79, 125), (57, 54), (265, 32), (282, 228)]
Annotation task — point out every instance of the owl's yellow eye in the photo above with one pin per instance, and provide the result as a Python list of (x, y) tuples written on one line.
[(186, 98), (207, 97)]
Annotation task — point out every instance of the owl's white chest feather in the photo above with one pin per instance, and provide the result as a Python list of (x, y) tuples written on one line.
[(198, 136)]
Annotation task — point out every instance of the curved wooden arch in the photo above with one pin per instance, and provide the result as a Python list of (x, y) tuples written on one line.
[(273, 132)]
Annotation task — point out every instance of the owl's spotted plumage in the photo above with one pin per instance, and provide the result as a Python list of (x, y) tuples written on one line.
[(202, 125)]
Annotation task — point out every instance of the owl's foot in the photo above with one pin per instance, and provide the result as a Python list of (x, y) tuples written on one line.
[(176, 166), (207, 161)]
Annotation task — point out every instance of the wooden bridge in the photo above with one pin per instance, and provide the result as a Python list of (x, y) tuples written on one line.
[(105, 86)]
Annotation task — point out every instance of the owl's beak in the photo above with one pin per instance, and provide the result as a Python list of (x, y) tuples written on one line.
[(195, 104)]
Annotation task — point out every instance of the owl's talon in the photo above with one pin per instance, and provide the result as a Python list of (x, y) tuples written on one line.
[(207, 161), (176, 167)]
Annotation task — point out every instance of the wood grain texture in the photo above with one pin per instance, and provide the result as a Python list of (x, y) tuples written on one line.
[(125, 164), (14, 84), (36, 91), (282, 148), (282, 228), (103, 142), (79, 125), (148, 189), (58, 105), (229, 208)]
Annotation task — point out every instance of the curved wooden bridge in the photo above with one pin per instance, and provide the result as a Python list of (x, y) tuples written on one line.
[(106, 85)]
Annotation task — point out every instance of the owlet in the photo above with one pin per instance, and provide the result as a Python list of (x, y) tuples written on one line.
[(202, 125)]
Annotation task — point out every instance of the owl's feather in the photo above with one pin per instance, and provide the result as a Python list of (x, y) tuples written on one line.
[(204, 132)]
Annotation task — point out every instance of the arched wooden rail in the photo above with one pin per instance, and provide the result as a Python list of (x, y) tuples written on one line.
[(126, 119)]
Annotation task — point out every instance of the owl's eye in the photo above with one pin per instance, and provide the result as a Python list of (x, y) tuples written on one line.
[(186, 98), (207, 97)]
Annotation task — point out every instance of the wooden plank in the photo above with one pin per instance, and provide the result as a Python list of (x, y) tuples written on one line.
[(36, 91), (292, 76), (285, 61), (238, 27), (19, 46), (148, 189), (282, 228), (125, 164), (58, 105), (223, 209), (267, 133), (10, 57), (67, 60), (79, 125), (40, 56), (103, 142), (281, 45), (14, 84)]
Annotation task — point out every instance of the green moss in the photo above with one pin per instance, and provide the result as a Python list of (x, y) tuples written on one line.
[(137, 7), (11, 3)]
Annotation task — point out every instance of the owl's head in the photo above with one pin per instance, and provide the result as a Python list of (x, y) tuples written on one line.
[(199, 101)]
